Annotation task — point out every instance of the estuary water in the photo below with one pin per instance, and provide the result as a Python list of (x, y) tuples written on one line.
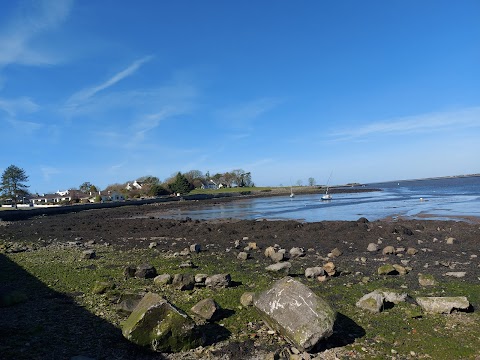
[(440, 199)]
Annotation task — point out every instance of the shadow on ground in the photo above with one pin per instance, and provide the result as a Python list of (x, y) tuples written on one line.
[(345, 331), (37, 322)]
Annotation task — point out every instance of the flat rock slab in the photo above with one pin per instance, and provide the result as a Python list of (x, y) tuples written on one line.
[(296, 312), (443, 305)]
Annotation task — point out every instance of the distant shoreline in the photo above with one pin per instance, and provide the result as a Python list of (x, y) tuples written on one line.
[(426, 179)]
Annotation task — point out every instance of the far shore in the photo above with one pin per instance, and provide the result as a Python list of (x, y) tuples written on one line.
[(12, 214)]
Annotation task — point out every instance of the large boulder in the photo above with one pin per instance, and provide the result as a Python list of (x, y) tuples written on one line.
[(296, 312), (157, 324)]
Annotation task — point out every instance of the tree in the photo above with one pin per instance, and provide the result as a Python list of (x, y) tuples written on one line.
[(88, 187), (311, 181), (149, 179), (180, 185), (13, 186), (193, 175), (157, 190)]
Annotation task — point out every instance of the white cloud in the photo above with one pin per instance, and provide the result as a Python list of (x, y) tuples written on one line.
[(84, 95), (438, 121), (17, 36)]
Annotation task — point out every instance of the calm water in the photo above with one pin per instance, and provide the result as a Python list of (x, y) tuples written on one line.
[(442, 199)]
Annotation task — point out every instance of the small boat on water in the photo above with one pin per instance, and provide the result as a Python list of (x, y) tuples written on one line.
[(327, 196)]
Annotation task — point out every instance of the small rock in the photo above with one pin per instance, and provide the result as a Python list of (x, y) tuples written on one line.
[(247, 299), (400, 269), (243, 256), (426, 280), (187, 264), (313, 272), (200, 278), (336, 252), (279, 266), (457, 274), (372, 247), (277, 256), (387, 269), (153, 245), (163, 279), (219, 281), (412, 251), (195, 248), (329, 268), (145, 271), (183, 281), (269, 251), (450, 240), (207, 309), (372, 302), (89, 254), (296, 252), (388, 250), (252, 245), (185, 252)]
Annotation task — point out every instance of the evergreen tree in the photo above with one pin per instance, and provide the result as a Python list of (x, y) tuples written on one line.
[(12, 186), (181, 184)]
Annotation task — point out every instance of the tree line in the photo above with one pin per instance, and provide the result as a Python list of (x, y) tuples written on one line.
[(13, 184), (183, 183)]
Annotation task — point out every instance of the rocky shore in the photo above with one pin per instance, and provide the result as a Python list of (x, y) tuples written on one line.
[(66, 258)]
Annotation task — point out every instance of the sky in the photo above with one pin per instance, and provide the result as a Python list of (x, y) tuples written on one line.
[(365, 91)]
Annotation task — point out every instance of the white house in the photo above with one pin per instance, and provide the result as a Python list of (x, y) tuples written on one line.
[(60, 196), (209, 185), (135, 185)]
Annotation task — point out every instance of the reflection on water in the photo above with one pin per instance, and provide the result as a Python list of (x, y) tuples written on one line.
[(432, 199)]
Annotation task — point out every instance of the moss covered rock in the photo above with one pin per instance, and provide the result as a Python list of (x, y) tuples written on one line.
[(157, 324)]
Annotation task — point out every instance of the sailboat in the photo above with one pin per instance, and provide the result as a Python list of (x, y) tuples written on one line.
[(291, 192), (327, 196)]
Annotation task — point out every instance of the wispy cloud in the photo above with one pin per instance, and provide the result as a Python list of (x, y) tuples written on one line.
[(439, 121), (84, 95), (16, 37), (242, 115), (25, 127), (21, 105), (150, 122)]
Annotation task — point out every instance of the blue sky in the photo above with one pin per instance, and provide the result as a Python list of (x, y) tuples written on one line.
[(109, 91)]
